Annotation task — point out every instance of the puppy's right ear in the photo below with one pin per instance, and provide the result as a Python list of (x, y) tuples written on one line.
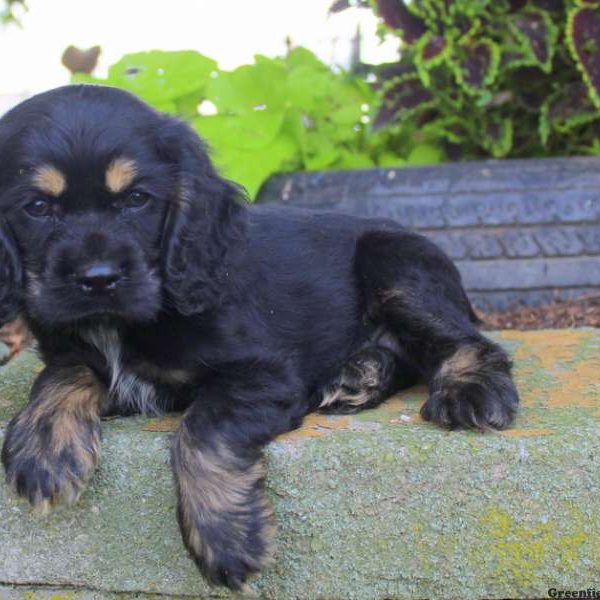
[(10, 275)]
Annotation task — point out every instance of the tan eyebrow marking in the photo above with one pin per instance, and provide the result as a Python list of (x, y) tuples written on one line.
[(50, 180), (120, 173)]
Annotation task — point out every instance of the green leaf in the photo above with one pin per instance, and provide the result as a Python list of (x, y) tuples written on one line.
[(251, 168), (301, 57), (293, 125), (161, 78), (248, 87), (353, 160), (453, 129), (425, 154), (321, 152), (389, 159), (247, 131), (308, 89)]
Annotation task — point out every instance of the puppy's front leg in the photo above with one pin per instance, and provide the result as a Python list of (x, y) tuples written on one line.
[(52, 446), (224, 516)]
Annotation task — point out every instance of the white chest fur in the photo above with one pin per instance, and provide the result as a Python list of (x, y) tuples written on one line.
[(126, 388)]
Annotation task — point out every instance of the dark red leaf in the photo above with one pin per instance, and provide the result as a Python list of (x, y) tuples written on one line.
[(573, 105), (585, 34), (511, 57), (535, 29), (516, 5), (550, 5), (434, 47), (476, 64), (396, 15), (403, 96), (399, 69)]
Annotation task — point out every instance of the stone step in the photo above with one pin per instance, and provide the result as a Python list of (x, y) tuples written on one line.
[(375, 505)]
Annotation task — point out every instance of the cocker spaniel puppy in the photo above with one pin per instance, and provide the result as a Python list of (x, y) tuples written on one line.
[(150, 285)]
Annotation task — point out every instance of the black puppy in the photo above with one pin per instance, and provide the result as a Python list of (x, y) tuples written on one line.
[(149, 285)]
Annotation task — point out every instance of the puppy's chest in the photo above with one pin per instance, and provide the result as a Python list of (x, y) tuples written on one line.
[(135, 381)]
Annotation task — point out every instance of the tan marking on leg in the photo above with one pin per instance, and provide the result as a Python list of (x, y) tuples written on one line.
[(462, 365), (49, 180), (120, 174), (214, 490), (69, 411)]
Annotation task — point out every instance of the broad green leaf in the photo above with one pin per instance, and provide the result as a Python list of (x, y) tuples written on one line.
[(320, 151), (251, 168), (389, 159), (307, 88), (248, 87), (425, 154), (294, 125), (301, 57), (246, 131), (353, 160), (160, 78)]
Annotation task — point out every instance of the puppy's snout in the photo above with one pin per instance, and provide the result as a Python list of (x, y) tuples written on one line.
[(98, 278)]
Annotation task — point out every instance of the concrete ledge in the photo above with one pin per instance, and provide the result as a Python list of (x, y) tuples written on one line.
[(534, 221), (378, 505)]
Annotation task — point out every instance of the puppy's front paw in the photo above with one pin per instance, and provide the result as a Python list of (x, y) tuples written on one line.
[(230, 548), (473, 389), (224, 516), (50, 457)]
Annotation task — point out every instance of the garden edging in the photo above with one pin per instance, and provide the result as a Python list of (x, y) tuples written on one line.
[(519, 230)]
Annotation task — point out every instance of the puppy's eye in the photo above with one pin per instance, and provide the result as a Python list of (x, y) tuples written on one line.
[(136, 199), (38, 208)]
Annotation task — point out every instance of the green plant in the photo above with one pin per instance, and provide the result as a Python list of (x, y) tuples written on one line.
[(278, 114), (494, 77)]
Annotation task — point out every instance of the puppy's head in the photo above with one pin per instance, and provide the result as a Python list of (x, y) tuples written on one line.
[(107, 208)]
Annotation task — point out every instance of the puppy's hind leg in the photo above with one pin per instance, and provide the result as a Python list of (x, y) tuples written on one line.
[(415, 290)]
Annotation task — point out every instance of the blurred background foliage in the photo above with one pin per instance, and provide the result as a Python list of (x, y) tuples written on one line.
[(474, 79), (9, 10), (277, 114)]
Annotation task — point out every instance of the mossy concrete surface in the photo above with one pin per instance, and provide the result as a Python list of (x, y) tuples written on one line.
[(377, 505)]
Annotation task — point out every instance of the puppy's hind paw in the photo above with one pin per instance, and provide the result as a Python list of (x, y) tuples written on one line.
[(473, 389)]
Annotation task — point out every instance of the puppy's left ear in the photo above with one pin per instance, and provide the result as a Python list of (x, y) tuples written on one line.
[(204, 226), (10, 275)]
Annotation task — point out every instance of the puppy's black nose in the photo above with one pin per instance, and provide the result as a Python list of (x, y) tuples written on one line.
[(98, 278)]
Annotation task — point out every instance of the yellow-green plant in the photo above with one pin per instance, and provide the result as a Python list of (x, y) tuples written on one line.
[(278, 114)]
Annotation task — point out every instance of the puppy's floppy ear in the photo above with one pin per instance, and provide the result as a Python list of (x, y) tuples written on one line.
[(10, 275), (204, 226)]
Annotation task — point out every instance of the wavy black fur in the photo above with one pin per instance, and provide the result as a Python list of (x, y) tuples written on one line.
[(246, 317)]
